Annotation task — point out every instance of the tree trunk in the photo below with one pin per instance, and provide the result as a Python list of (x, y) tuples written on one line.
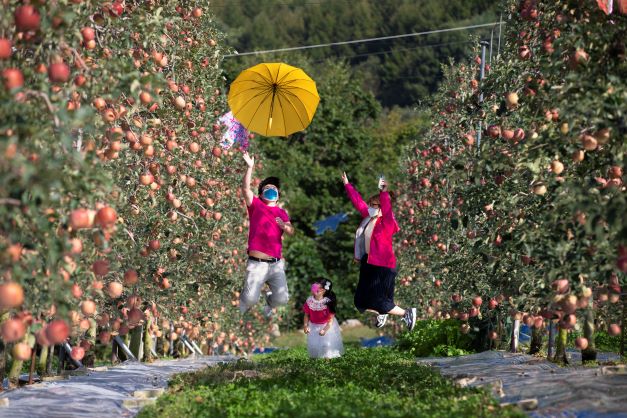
[(42, 370), (3, 364), (171, 345), (62, 355), (513, 344), (33, 356), (3, 354), (551, 347), (535, 345), (590, 353), (136, 342), (14, 373), (17, 365), (49, 361), (148, 341), (560, 347), (90, 335), (165, 346), (623, 334)]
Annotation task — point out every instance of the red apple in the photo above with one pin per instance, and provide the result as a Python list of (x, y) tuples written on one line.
[(58, 72), (561, 286), (88, 307), (57, 331), (115, 289), (13, 78), (5, 48), (77, 353), (27, 18), (106, 217), (494, 131), (568, 321), (146, 178), (100, 267), (22, 351), (89, 34), (135, 316), (12, 330), (11, 295), (581, 343)]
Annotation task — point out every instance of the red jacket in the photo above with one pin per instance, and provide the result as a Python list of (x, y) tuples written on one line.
[(381, 250)]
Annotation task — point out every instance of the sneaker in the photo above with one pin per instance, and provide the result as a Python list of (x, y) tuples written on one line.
[(410, 318), (381, 319)]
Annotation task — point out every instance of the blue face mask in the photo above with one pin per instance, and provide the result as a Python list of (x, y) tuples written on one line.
[(271, 195)]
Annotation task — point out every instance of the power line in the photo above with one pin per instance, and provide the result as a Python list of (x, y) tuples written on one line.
[(355, 41), (389, 51)]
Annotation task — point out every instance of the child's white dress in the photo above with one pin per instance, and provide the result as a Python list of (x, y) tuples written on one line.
[(322, 346)]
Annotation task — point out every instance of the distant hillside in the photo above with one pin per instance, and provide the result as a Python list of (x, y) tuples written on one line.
[(399, 72)]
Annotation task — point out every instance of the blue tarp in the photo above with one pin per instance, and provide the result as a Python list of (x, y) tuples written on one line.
[(377, 342), (524, 335), (332, 222), (265, 350)]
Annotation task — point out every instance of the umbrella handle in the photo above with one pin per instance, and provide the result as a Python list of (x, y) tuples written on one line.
[(274, 87)]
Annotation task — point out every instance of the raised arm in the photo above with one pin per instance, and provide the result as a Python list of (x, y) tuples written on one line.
[(246, 190), (386, 210), (355, 197)]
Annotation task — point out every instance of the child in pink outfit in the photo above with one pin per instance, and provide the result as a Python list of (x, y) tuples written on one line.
[(324, 338)]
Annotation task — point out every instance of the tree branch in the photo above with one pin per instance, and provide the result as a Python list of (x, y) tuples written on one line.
[(46, 99), (10, 201)]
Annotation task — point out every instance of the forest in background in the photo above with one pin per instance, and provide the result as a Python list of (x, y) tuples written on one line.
[(398, 72)]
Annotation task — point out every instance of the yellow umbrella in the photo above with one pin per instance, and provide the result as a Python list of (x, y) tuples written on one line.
[(273, 99)]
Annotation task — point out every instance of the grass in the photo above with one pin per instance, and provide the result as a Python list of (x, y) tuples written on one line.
[(379, 382)]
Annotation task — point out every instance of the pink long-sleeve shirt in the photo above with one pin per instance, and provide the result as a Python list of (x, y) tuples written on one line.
[(381, 249), (264, 234)]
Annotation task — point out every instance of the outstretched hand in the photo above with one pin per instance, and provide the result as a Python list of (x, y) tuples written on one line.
[(250, 161), (383, 186), (344, 178)]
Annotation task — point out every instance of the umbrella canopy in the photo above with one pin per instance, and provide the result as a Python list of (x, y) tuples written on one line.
[(274, 99)]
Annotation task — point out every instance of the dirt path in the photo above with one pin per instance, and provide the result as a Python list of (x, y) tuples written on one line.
[(544, 388), (100, 393)]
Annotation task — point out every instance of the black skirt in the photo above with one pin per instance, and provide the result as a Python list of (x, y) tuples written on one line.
[(375, 289)]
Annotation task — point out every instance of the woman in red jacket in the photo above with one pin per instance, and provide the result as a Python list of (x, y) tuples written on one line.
[(373, 249)]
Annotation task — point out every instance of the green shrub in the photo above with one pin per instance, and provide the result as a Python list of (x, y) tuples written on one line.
[(435, 337), (606, 342)]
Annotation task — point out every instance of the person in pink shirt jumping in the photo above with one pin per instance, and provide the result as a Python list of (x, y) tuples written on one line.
[(375, 253), (267, 222)]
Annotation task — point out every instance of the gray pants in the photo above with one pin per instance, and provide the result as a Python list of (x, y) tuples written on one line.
[(258, 273)]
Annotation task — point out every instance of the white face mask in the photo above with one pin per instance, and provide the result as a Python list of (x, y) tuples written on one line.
[(372, 212)]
